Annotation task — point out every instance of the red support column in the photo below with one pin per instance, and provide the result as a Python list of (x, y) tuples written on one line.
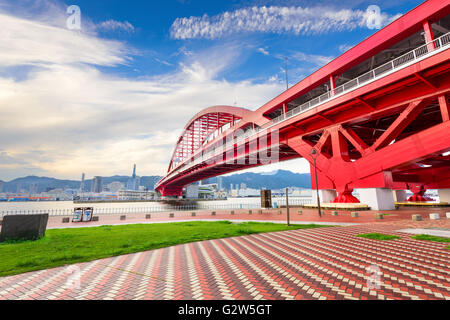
[(340, 145), (429, 35), (445, 109), (284, 108), (332, 85), (340, 153)]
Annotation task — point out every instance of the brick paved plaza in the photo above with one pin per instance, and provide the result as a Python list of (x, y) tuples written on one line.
[(324, 263)]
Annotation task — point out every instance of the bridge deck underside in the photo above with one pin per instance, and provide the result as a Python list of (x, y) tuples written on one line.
[(390, 133)]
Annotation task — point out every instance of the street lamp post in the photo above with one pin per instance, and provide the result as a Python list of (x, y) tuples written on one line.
[(287, 207), (314, 155)]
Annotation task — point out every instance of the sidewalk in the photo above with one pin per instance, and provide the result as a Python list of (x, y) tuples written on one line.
[(400, 218), (322, 264)]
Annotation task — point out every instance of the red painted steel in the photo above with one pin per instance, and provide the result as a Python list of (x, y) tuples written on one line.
[(391, 132)]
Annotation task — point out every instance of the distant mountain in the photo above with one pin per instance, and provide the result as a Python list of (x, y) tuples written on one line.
[(277, 180), (44, 183)]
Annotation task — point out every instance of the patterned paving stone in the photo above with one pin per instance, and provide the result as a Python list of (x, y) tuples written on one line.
[(322, 264)]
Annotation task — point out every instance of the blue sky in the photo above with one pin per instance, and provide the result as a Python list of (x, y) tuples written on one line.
[(119, 90), (160, 52)]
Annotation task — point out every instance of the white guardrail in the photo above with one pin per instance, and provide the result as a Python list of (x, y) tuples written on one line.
[(384, 70)]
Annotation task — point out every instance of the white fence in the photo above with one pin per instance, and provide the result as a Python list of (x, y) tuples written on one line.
[(156, 208)]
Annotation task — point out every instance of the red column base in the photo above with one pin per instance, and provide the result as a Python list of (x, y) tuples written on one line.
[(419, 195), (346, 197), (166, 192), (419, 198)]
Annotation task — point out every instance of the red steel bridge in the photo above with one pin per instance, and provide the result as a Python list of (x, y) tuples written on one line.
[(378, 116)]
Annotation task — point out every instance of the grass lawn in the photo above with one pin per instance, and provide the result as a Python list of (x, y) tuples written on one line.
[(67, 246), (378, 236), (432, 238)]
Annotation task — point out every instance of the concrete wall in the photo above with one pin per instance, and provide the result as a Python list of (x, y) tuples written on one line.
[(192, 191), (400, 195), (377, 198), (444, 195), (326, 196)]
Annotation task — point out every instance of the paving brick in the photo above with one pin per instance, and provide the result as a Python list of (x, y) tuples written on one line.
[(324, 263)]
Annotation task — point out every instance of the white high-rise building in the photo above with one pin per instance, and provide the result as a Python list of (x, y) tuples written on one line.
[(82, 182), (97, 185), (134, 182), (220, 183)]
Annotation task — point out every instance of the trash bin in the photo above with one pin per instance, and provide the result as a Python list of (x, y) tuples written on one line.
[(87, 214), (275, 205), (77, 215)]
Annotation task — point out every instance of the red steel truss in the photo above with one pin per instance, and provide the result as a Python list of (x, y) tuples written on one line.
[(391, 132)]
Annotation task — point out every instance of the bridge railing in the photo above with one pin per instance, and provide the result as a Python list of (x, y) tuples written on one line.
[(420, 53), (381, 71)]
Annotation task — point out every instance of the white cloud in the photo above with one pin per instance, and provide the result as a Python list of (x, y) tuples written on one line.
[(345, 47), (85, 121), (66, 116), (317, 60), (113, 25), (273, 19), (164, 62), (27, 42), (263, 51), (296, 165)]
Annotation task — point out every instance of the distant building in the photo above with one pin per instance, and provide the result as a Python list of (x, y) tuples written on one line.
[(243, 186), (192, 191), (1, 186), (204, 191), (134, 182), (57, 195), (248, 192), (115, 186), (207, 191), (34, 188), (82, 183), (97, 185), (70, 191), (134, 195), (220, 183)]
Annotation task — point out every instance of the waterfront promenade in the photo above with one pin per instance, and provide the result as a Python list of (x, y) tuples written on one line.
[(401, 217), (324, 263)]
